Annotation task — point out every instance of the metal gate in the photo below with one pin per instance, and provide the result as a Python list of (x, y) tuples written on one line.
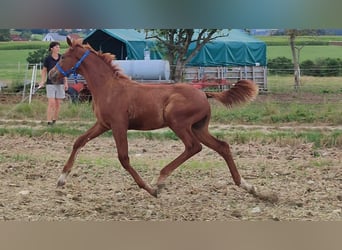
[(223, 77)]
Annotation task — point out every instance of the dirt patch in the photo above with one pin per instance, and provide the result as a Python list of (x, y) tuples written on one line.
[(307, 181)]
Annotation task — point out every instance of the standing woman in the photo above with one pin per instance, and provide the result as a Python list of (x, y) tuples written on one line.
[(55, 92)]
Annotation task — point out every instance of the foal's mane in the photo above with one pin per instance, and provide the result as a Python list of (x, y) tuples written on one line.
[(107, 58)]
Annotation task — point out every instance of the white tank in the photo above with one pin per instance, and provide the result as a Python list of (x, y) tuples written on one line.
[(145, 69)]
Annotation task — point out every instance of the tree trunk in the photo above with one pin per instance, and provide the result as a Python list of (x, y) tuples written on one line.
[(295, 58), (178, 72), (177, 42)]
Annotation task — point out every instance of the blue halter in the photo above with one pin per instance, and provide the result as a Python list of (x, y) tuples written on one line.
[(73, 69)]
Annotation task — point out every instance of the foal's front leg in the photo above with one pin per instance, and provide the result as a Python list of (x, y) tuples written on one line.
[(120, 137), (91, 133)]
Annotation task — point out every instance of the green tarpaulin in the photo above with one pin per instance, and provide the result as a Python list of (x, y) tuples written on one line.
[(237, 49), (125, 44)]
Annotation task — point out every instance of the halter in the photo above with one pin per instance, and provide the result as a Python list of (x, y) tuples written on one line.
[(74, 68)]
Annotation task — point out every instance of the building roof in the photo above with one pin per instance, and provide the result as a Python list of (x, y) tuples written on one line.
[(54, 37)]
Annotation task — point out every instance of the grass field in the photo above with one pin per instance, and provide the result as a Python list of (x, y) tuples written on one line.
[(13, 64), (306, 53), (13, 54), (13, 57), (278, 46), (277, 40)]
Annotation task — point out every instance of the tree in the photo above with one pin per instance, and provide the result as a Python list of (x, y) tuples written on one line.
[(175, 43), (37, 56), (26, 34), (293, 33), (39, 31), (5, 35)]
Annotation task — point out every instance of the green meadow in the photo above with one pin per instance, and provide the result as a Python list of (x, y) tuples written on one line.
[(13, 64), (308, 52), (311, 47), (13, 55)]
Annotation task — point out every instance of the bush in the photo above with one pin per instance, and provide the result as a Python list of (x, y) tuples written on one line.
[(322, 67), (280, 66), (307, 67), (333, 67), (37, 56)]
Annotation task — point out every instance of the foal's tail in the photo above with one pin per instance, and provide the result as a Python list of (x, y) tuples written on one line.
[(241, 92)]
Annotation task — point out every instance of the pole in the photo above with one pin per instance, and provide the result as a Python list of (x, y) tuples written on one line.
[(33, 80)]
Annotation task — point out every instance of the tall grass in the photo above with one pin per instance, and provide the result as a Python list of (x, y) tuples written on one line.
[(313, 85), (271, 112), (318, 101)]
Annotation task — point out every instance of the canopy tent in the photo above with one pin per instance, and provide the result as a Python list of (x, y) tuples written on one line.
[(237, 49), (125, 44)]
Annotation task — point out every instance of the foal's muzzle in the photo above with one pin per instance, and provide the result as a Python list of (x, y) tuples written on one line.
[(53, 75)]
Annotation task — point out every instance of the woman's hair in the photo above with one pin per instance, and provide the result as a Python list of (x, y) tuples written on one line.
[(53, 44)]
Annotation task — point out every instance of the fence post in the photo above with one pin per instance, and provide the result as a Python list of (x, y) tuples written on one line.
[(33, 81)]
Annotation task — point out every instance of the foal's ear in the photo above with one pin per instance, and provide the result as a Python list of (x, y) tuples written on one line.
[(69, 41)]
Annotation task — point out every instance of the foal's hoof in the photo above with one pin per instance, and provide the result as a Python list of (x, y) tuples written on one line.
[(154, 193), (61, 180), (60, 183), (248, 187), (161, 186)]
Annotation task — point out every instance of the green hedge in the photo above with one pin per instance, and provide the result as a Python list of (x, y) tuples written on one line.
[(320, 67), (280, 66)]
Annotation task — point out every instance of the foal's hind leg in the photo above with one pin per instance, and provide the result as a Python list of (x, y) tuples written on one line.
[(90, 134), (223, 149), (192, 147)]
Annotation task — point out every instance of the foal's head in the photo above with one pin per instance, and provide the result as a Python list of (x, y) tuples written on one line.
[(73, 58), (70, 60)]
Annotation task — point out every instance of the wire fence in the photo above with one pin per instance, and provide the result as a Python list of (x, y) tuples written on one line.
[(16, 79)]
